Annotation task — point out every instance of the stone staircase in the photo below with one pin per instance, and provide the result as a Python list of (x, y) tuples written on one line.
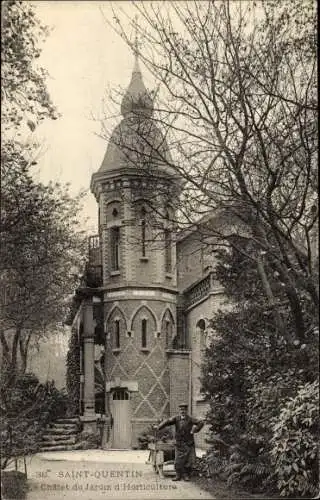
[(62, 435)]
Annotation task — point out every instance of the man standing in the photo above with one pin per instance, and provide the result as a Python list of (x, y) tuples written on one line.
[(185, 426)]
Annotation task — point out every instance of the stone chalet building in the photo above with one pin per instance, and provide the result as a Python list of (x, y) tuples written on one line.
[(143, 308)]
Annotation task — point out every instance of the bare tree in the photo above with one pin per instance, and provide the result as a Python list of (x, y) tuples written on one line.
[(237, 104)]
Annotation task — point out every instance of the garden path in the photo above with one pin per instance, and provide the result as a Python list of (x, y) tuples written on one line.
[(99, 474)]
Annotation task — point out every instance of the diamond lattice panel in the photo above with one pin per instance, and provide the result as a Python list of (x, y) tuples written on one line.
[(133, 360), (166, 410), (111, 360), (145, 411), (119, 371), (165, 380), (156, 360), (146, 379), (157, 398), (136, 398)]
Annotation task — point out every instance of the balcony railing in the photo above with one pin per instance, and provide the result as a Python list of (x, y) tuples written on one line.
[(200, 290)]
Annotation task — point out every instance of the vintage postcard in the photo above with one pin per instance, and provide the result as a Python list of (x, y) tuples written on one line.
[(159, 261)]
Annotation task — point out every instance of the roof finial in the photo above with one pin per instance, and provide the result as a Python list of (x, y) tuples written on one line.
[(136, 68), (136, 43)]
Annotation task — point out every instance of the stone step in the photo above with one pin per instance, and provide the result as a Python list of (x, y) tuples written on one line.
[(70, 420), (58, 431), (67, 447), (64, 426), (59, 443), (58, 439)]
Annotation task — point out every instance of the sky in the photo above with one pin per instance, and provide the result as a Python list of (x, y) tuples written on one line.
[(83, 57)]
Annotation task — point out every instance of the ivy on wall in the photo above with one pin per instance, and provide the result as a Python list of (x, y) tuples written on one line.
[(73, 373)]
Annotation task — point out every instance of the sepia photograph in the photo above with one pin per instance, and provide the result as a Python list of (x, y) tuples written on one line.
[(159, 279)]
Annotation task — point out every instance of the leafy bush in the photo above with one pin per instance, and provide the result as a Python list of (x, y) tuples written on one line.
[(14, 485), (294, 443), (240, 463), (248, 464), (26, 409), (249, 373)]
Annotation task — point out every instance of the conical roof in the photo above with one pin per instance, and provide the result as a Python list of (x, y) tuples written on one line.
[(137, 142)]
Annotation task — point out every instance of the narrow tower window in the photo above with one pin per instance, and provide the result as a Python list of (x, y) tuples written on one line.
[(117, 334), (168, 333), (143, 232), (201, 326), (167, 250), (144, 333), (115, 248)]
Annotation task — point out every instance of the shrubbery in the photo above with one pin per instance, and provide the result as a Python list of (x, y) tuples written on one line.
[(263, 413), (27, 406), (294, 443), (271, 443), (260, 384)]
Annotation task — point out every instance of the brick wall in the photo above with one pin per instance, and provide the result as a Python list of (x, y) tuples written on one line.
[(200, 410), (179, 380), (146, 367), (134, 267)]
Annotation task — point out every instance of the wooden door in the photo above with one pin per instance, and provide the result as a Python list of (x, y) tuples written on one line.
[(120, 409)]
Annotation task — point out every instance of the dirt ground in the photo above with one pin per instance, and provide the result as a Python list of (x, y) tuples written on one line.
[(98, 474)]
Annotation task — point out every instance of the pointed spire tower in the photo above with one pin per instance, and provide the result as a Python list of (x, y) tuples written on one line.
[(138, 256), (137, 139)]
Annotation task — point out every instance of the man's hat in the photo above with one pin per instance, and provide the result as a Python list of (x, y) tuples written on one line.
[(183, 405)]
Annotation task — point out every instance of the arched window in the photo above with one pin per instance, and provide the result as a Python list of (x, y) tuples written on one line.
[(144, 333), (117, 334), (144, 322), (168, 329), (200, 331), (115, 248)]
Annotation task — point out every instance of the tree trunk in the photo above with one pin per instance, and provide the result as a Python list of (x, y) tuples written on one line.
[(5, 347), (294, 301), (270, 296), (24, 352), (296, 312), (14, 351), (23, 356)]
